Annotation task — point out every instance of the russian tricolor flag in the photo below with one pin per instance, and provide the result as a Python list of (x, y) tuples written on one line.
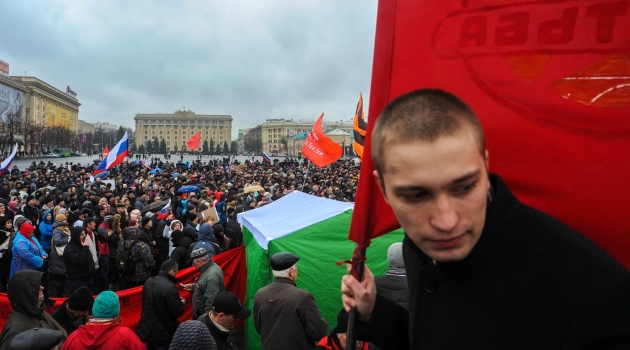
[(115, 156), (165, 210), (7, 162), (266, 157)]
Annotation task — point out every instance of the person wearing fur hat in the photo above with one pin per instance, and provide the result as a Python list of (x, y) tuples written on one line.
[(27, 253), (74, 310), (56, 266), (104, 330), (78, 261)]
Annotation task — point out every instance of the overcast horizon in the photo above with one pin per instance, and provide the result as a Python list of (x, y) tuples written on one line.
[(251, 60)]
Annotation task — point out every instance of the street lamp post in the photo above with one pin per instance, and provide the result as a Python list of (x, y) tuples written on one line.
[(41, 132)]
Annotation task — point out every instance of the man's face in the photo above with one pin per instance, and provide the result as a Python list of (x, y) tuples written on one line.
[(149, 224), (439, 192), (92, 225), (121, 210), (227, 321)]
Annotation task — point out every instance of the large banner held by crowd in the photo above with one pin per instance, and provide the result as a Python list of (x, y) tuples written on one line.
[(550, 82), (231, 262)]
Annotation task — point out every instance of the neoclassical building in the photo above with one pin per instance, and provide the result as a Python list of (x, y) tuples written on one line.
[(175, 129)]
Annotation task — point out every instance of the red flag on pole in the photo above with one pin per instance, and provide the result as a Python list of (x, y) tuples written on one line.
[(319, 148), (194, 141), (105, 151)]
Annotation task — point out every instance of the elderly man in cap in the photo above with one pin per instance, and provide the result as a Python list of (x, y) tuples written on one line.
[(74, 310), (226, 310), (285, 316), (208, 285)]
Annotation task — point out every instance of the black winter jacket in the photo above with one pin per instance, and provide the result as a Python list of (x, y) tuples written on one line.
[(161, 307), (530, 282), (181, 252), (77, 258)]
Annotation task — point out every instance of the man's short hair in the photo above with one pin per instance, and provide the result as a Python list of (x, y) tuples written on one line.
[(283, 273), (422, 115), (168, 265)]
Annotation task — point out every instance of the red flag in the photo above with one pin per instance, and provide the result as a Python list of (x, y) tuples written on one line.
[(194, 141), (319, 148), (551, 94), (105, 151)]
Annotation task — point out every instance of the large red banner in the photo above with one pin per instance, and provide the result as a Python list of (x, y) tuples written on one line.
[(550, 81), (231, 262)]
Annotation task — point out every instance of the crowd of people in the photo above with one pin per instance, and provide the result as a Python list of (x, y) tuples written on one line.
[(138, 224)]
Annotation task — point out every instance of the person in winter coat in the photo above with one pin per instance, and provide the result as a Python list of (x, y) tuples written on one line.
[(104, 330), (27, 300), (114, 237), (27, 253), (209, 283), (193, 335), (56, 265), (141, 260), (161, 306), (206, 239), (6, 230), (175, 225), (393, 285), (163, 243), (233, 229), (74, 310), (46, 230), (336, 339), (78, 261), (37, 339), (180, 253), (224, 242)]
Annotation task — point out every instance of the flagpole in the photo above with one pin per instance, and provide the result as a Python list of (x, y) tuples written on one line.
[(306, 173), (351, 336)]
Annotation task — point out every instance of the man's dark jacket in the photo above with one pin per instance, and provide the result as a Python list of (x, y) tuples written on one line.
[(65, 320), (220, 337), (161, 307), (287, 317), (529, 283)]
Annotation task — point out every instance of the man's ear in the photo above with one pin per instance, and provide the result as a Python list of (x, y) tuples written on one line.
[(381, 185)]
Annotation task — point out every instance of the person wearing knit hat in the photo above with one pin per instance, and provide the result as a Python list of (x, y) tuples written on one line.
[(193, 335), (145, 221), (28, 254), (103, 330), (74, 310), (393, 285)]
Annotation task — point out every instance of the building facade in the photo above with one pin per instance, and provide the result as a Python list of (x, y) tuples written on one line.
[(276, 132), (85, 127), (44, 103), (177, 128), (340, 137)]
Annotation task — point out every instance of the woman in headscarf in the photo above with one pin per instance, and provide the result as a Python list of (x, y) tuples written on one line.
[(78, 261), (27, 253)]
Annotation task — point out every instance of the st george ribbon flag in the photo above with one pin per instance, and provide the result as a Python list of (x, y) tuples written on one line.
[(115, 156), (319, 148), (359, 129), (194, 141), (7, 162)]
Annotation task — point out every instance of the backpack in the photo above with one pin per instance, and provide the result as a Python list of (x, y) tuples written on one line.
[(124, 263)]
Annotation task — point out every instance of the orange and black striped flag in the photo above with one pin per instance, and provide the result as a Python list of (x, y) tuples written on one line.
[(359, 129)]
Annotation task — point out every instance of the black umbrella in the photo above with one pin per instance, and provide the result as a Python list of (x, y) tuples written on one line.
[(96, 161), (153, 206)]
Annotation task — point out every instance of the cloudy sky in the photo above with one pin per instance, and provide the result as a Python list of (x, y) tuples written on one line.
[(250, 59)]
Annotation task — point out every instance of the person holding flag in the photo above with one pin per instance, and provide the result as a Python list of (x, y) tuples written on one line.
[(484, 270)]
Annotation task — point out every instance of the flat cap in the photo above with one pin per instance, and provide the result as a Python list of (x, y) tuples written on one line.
[(283, 260)]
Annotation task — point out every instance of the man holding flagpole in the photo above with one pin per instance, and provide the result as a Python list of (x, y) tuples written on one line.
[(483, 269)]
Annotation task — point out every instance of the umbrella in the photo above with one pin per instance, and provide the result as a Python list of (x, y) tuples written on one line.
[(186, 189), (253, 189), (97, 161), (156, 170), (175, 175), (104, 174), (153, 206)]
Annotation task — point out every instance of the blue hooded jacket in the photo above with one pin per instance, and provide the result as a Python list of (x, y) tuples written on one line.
[(46, 230)]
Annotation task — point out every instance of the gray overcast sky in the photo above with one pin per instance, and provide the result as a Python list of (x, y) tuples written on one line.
[(250, 59)]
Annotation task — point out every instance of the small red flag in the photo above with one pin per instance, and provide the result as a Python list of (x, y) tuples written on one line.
[(319, 148), (105, 151), (194, 141)]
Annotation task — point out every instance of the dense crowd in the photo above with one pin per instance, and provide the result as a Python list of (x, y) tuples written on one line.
[(78, 234)]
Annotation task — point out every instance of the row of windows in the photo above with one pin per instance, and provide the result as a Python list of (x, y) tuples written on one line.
[(199, 122), (185, 126), (220, 139)]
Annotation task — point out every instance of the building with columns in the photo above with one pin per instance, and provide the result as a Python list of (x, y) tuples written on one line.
[(276, 132), (175, 129)]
